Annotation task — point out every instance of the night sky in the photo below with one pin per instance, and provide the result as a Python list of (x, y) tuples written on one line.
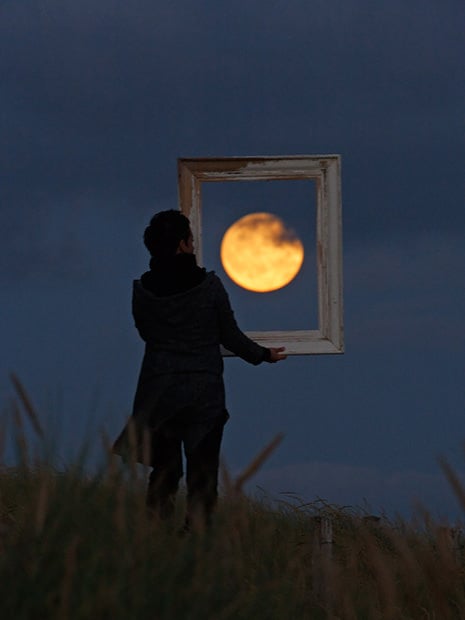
[(99, 99)]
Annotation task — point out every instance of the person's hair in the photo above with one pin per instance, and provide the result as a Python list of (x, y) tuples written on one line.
[(164, 233)]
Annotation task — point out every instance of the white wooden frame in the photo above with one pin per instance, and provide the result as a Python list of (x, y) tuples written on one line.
[(325, 170)]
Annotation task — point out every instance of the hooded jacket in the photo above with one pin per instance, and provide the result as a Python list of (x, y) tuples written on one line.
[(183, 327), (183, 332)]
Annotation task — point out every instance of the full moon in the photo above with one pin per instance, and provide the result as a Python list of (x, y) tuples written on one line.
[(260, 253)]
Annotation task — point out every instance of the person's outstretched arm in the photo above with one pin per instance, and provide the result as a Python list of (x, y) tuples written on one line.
[(234, 339)]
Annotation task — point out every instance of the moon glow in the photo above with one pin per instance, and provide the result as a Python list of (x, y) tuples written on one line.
[(260, 253)]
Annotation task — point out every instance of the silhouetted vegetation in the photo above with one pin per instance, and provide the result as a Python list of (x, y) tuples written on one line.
[(75, 546)]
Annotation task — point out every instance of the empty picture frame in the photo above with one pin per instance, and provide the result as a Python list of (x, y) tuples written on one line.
[(325, 170)]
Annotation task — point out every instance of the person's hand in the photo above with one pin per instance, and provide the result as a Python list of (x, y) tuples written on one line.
[(276, 354)]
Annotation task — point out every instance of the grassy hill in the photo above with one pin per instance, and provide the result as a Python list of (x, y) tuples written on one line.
[(81, 547)]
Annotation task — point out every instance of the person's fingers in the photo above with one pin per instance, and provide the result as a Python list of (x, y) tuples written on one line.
[(277, 355)]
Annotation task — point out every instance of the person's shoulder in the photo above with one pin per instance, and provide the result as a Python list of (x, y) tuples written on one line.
[(139, 291), (213, 280), (216, 290), (141, 288)]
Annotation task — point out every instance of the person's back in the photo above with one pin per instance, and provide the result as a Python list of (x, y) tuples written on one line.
[(183, 314), (183, 331)]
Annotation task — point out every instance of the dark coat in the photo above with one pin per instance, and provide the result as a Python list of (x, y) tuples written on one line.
[(182, 368)]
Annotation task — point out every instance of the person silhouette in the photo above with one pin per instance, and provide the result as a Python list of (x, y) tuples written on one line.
[(183, 314)]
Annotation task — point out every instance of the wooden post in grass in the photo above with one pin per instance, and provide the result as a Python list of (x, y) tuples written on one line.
[(322, 559)]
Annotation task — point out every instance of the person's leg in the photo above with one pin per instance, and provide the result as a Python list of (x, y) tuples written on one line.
[(166, 474), (202, 464)]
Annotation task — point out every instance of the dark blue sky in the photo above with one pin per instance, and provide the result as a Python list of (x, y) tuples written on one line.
[(99, 99)]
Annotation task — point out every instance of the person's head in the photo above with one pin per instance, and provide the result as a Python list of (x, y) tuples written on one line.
[(168, 234)]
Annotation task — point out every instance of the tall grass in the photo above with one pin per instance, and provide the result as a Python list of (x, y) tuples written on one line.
[(75, 546)]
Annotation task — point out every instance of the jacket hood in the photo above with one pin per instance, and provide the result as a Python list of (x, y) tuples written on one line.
[(173, 310), (172, 275)]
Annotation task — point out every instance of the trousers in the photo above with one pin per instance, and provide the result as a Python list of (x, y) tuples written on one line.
[(202, 464)]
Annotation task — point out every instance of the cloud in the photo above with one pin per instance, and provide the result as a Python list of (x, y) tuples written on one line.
[(407, 289), (98, 101), (106, 95), (272, 227)]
